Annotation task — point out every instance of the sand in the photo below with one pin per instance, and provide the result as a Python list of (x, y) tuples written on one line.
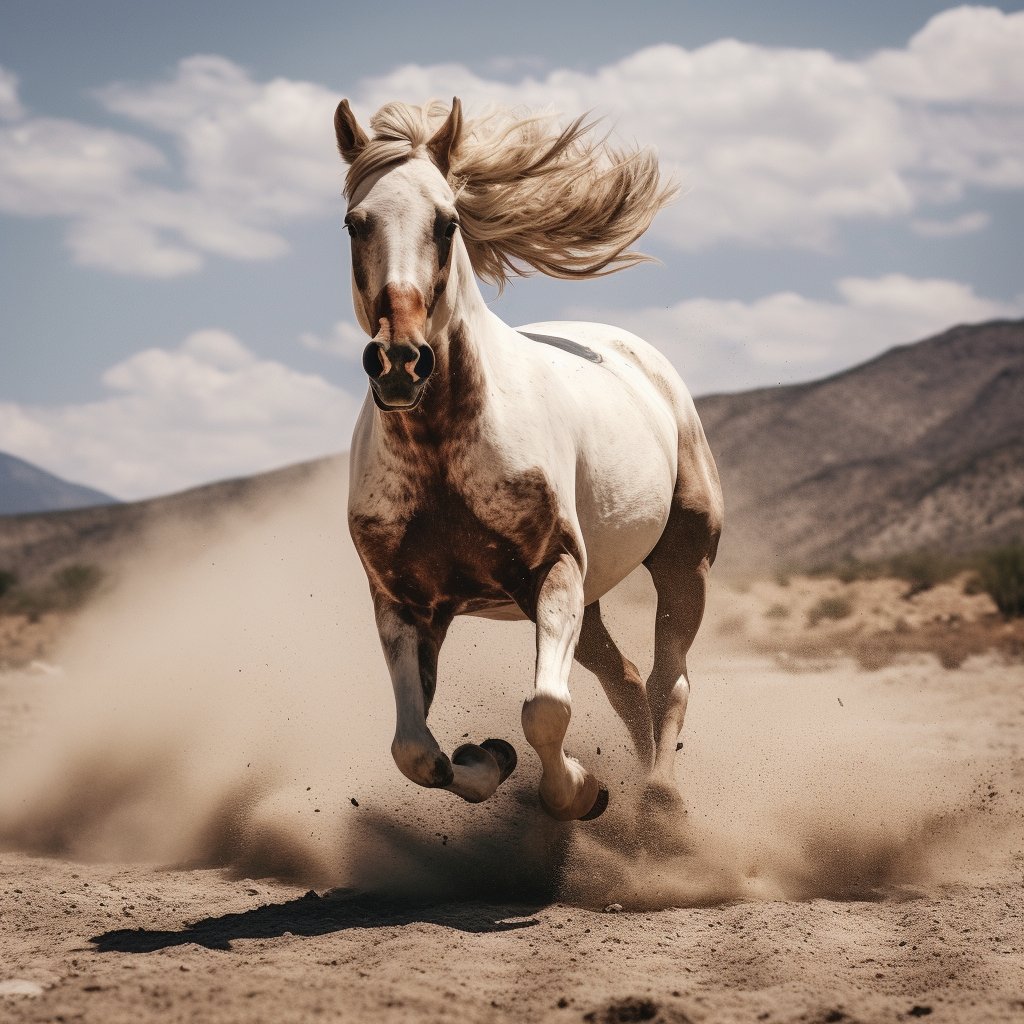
[(199, 819)]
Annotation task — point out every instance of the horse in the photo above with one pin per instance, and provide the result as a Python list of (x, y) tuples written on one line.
[(517, 473)]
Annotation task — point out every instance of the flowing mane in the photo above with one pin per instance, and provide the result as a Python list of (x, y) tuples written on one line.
[(531, 197)]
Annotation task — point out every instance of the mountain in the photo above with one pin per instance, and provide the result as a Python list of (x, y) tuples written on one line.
[(34, 546), (922, 447), (27, 488)]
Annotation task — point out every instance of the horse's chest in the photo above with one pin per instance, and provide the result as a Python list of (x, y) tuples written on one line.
[(458, 548)]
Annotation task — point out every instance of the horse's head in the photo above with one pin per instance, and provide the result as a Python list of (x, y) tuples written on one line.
[(403, 223)]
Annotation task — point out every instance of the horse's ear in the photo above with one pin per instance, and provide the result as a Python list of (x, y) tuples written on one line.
[(351, 138), (445, 141)]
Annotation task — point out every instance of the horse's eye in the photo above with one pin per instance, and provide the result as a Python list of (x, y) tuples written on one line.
[(350, 227), (449, 231)]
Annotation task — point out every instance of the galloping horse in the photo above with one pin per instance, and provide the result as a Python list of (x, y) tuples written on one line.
[(517, 473)]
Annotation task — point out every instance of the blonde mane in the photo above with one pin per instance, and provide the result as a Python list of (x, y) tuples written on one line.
[(531, 197)]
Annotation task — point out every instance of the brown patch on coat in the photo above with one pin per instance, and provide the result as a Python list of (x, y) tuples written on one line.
[(403, 309), (446, 421), (445, 558)]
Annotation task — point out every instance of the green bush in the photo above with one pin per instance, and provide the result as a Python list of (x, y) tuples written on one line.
[(8, 580), (1001, 572)]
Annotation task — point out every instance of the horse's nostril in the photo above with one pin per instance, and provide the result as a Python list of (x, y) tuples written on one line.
[(425, 364), (373, 362)]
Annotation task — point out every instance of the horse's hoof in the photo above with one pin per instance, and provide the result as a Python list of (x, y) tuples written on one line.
[(470, 755), (504, 753), (571, 813), (600, 806)]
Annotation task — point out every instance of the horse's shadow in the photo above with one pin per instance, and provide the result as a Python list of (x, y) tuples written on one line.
[(339, 910), (476, 883)]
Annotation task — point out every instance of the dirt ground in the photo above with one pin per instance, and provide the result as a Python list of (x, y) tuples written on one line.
[(200, 821)]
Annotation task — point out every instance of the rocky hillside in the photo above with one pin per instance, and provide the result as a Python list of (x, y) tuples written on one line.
[(922, 447)]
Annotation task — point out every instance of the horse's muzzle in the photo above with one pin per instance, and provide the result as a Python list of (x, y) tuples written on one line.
[(397, 373)]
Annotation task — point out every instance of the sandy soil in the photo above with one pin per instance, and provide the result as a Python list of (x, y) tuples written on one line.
[(200, 821)]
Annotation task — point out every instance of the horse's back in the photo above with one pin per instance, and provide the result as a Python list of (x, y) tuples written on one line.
[(624, 354), (641, 379)]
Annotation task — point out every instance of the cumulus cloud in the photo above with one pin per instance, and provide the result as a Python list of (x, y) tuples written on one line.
[(10, 105), (723, 345), (965, 224), (345, 340), (262, 149), (774, 146), (244, 179), (963, 54), (208, 409)]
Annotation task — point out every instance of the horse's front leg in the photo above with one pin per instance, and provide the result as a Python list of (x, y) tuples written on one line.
[(473, 772), (567, 789)]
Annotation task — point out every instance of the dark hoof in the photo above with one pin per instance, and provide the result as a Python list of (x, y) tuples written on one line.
[(469, 755), (600, 806), (504, 753)]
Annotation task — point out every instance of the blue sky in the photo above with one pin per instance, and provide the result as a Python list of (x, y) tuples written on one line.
[(174, 298)]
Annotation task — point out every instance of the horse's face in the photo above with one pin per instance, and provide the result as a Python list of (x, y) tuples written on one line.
[(403, 225)]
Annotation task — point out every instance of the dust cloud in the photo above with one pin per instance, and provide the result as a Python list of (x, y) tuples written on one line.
[(227, 705)]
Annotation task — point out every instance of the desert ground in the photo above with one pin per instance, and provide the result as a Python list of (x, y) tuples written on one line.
[(200, 820)]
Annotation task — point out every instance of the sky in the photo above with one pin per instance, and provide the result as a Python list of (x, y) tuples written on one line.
[(175, 303)]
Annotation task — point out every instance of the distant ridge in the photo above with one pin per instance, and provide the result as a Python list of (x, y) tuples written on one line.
[(922, 447), (27, 488)]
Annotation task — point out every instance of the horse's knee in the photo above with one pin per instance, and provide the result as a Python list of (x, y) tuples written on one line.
[(545, 720), (680, 695), (421, 763)]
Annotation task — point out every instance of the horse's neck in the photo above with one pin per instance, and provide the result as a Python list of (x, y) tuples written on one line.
[(461, 327)]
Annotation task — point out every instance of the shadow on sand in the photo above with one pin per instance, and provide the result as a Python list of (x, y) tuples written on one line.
[(475, 880), (338, 910)]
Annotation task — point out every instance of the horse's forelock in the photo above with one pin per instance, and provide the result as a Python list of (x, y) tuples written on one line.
[(400, 131)]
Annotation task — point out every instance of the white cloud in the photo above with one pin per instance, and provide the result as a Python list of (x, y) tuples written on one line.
[(208, 409), (961, 55), (10, 105), (345, 341), (774, 146), (723, 345), (264, 149), (238, 191), (965, 224)]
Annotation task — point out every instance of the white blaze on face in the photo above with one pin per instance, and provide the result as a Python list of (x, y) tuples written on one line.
[(396, 213)]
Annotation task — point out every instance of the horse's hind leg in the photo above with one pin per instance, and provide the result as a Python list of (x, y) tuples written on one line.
[(618, 676), (567, 789), (679, 567)]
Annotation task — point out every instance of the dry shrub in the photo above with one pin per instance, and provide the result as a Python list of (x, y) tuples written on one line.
[(952, 642), (829, 608), (1001, 574)]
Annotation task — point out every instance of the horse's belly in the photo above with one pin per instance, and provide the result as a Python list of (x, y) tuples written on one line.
[(616, 547), (623, 499)]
